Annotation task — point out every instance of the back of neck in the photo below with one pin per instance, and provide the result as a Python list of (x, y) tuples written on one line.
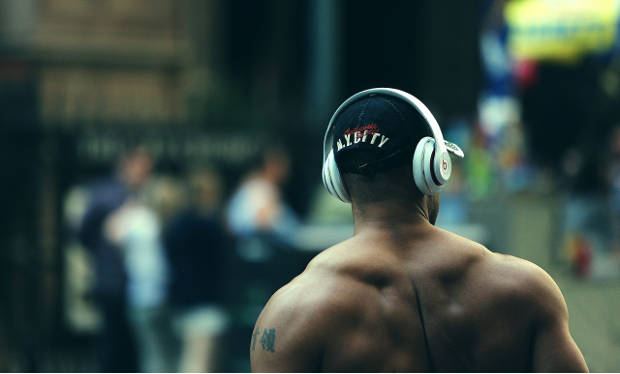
[(389, 216)]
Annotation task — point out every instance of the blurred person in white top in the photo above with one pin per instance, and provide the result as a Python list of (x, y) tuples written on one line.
[(257, 207), (136, 227)]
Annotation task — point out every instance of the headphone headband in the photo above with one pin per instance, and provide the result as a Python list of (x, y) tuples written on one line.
[(412, 100)]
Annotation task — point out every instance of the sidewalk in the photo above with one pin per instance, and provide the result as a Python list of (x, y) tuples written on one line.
[(594, 315)]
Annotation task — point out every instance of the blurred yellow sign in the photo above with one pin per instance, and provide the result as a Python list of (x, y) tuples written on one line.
[(561, 29)]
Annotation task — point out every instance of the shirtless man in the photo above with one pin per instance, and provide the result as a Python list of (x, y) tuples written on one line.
[(402, 294)]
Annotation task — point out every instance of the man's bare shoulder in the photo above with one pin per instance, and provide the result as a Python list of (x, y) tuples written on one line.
[(324, 287), (299, 319), (504, 276), (520, 283)]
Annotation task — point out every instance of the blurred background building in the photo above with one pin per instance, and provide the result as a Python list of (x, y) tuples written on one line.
[(161, 160)]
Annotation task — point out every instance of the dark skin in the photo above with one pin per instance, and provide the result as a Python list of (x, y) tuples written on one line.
[(359, 305)]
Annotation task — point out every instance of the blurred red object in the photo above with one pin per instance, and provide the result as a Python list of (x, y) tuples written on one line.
[(582, 258), (526, 73)]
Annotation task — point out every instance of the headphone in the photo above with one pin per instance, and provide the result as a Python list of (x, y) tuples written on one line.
[(431, 163)]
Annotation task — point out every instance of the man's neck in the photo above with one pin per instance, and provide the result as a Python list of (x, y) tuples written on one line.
[(389, 216)]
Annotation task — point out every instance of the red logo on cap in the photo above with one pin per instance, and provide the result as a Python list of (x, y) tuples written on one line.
[(371, 128), (444, 165)]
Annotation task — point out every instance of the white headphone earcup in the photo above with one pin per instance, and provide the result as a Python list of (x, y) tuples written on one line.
[(428, 163), (332, 179), (442, 167), (423, 163)]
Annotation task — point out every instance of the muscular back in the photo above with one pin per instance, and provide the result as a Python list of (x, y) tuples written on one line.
[(425, 300)]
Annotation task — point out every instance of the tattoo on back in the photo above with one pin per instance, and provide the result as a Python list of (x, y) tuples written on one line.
[(267, 339)]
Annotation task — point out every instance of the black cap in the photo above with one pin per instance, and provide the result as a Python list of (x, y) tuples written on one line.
[(375, 133)]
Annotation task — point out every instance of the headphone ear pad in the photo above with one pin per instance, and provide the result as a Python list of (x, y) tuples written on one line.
[(430, 154), (418, 167), (332, 179), (325, 176), (422, 165), (327, 182)]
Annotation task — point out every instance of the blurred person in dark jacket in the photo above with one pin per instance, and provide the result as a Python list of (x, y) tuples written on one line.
[(115, 350), (194, 240)]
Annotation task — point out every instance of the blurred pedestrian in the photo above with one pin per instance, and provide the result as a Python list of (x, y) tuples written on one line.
[(115, 347), (195, 244), (257, 207), (264, 227), (136, 229)]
